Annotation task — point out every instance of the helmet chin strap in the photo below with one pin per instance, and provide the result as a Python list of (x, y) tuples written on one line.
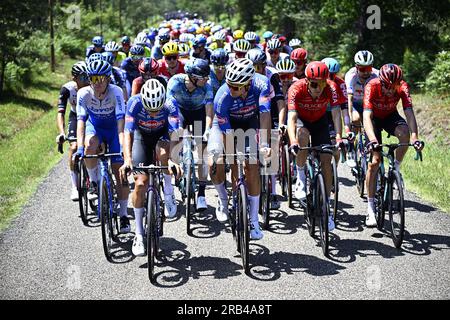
[(193, 82)]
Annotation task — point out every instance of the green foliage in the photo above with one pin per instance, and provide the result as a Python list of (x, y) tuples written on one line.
[(70, 45), (438, 80), (416, 66)]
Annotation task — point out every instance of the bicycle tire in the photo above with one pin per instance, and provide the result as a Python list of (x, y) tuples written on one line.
[(360, 163), (396, 208), (243, 227), (283, 173), (290, 173), (379, 199), (323, 212), (233, 222), (335, 184), (189, 195), (152, 235), (82, 186), (309, 207), (264, 203), (105, 218)]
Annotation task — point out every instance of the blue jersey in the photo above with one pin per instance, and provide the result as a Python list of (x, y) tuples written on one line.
[(181, 98), (138, 118), (131, 69), (257, 101), (90, 50), (214, 82), (157, 53), (103, 113)]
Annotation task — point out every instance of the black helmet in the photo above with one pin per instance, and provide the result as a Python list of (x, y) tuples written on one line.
[(197, 67)]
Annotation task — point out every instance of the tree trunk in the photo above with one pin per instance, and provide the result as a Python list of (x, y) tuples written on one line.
[(2, 74), (52, 37)]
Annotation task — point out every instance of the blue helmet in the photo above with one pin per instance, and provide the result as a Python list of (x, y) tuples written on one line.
[(332, 64), (267, 34), (97, 41), (94, 57), (108, 57), (126, 39), (191, 29), (199, 40), (197, 67), (219, 57), (256, 55), (137, 50), (99, 68)]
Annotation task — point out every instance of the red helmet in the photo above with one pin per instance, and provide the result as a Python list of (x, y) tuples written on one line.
[(282, 39), (299, 54), (148, 65), (317, 70), (391, 74), (174, 34)]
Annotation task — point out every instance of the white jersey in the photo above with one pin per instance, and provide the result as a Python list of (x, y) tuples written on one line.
[(354, 85), (282, 56), (68, 94)]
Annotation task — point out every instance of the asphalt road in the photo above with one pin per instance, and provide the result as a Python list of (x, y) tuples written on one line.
[(47, 253)]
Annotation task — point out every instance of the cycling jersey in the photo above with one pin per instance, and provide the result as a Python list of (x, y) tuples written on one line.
[(121, 56), (276, 93), (90, 50), (214, 82), (164, 68), (228, 108), (157, 53), (139, 81), (355, 86), (342, 92), (179, 96), (118, 77), (308, 108), (382, 105), (205, 56), (68, 93), (102, 113), (282, 57), (138, 118)]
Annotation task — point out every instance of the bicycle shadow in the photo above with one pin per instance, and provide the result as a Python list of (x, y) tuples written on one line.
[(267, 266), (347, 182), (204, 224), (285, 224), (121, 249), (175, 257), (349, 222), (421, 244), (419, 207)]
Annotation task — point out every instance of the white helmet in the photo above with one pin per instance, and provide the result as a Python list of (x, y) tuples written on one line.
[(295, 43), (274, 44), (250, 36), (112, 46), (364, 58), (184, 37), (219, 35), (141, 39), (240, 71), (153, 95)]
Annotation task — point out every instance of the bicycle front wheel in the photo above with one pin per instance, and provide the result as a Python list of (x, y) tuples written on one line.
[(105, 213), (243, 227), (152, 234), (264, 203), (335, 189), (83, 186), (361, 165), (189, 198), (323, 211), (379, 199), (396, 207)]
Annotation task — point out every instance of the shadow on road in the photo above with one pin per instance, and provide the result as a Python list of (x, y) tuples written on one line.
[(419, 207)]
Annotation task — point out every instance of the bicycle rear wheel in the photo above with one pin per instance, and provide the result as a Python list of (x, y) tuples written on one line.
[(361, 165), (189, 198), (264, 203), (105, 213), (309, 207), (152, 235), (335, 189), (396, 207), (243, 227), (323, 211), (289, 174), (83, 187), (379, 199)]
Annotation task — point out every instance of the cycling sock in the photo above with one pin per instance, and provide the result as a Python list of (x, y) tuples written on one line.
[(254, 208), (201, 189), (274, 183), (168, 188), (138, 215), (74, 177), (93, 174), (370, 205), (301, 173), (222, 192), (123, 206)]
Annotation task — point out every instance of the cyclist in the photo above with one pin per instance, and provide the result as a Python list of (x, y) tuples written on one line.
[(277, 104), (100, 114), (130, 66), (274, 53), (381, 96), (199, 49), (286, 70), (183, 52), (96, 47), (68, 93), (170, 65), (285, 48), (142, 40), (126, 45), (163, 38), (219, 59), (295, 44), (149, 122), (114, 48), (300, 58), (238, 34), (266, 36), (193, 97), (242, 103), (240, 48), (149, 69), (251, 37), (117, 76), (307, 103)]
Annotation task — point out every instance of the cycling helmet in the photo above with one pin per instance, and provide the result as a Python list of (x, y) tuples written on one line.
[(199, 40), (99, 68), (299, 54), (216, 29), (174, 34), (285, 66), (317, 70), (79, 68), (257, 56), (238, 34), (282, 39), (94, 57), (364, 58), (108, 57), (219, 36), (240, 72), (219, 57), (153, 95), (137, 50), (191, 29), (241, 45), (97, 41), (295, 43), (141, 39), (274, 44), (197, 67), (112, 46), (183, 49), (170, 49), (390, 74), (250, 36), (184, 37), (148, 65), (126, 40), (267, 34), (164, 34), (332, 64)]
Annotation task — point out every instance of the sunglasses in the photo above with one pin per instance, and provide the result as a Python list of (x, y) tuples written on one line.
[(317, 84), (148, 75), (286, 76), (364, 69), (259, 66), (236, 88), (97, 79), (200, 78), (299, 62), (393, 86), (219, 66), (274, 51), (168, 58), (135, 57)]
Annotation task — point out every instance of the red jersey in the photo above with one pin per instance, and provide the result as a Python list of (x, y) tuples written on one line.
[(308, 108), (163, 68), (342, 92), (382, 105)]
